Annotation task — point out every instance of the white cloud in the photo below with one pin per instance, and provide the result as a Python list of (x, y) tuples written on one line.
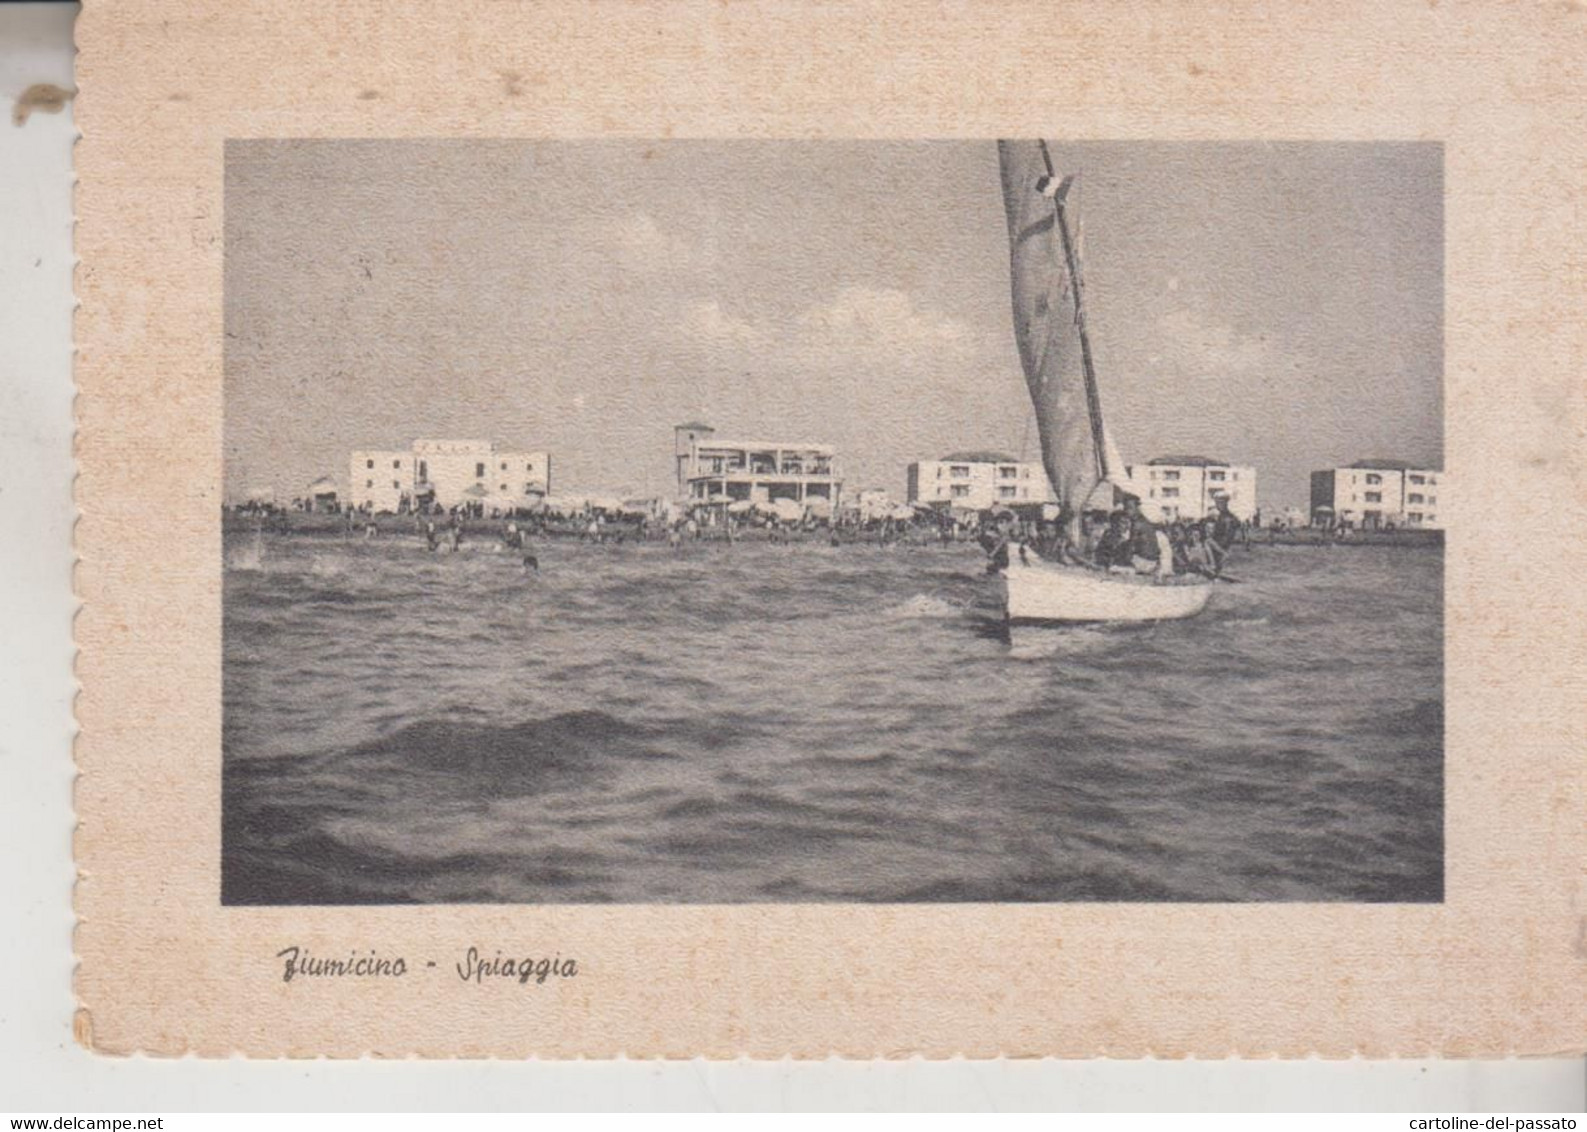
[(880, 318), (865, 325), (646, 246), (1214, 348), (707, 324)]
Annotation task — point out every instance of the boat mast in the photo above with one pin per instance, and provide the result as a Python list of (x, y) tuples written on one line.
[(1060, 192)]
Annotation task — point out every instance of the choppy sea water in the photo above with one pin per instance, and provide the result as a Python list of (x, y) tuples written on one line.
[(805, 723)]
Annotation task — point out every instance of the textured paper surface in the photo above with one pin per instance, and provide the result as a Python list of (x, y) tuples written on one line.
[(1498, 968)]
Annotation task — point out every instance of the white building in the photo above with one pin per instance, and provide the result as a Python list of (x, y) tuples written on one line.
[(1185, 487), (1370, 494), (978, 481), (447, 472), (761, 471)]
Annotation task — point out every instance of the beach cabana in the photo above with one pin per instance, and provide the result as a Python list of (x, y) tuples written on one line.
[(321, 494)]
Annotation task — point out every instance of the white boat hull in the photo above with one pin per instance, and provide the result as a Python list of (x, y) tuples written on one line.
[(1040, 591)]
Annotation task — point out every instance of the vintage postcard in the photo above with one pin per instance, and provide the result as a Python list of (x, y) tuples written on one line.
[(732, 529)]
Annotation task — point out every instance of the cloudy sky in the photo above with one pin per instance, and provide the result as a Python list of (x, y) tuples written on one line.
[(1270, 304)]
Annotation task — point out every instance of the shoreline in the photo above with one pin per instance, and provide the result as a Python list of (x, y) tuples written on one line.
[(322, 525)]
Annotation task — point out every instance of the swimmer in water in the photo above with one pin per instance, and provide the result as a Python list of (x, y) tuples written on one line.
[(531, 564)]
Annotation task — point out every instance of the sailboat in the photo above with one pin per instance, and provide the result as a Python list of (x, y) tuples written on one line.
[(1081, 460)]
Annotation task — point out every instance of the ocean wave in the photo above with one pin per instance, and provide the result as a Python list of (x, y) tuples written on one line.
[(923, 605), (763, 722)]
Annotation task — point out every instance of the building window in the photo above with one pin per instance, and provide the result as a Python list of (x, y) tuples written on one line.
[(1008, 473), (1170, 475), (396, 485), (959, 471), (1418, 480), (1374, 497), (529, 467), (504, 465), (1170, 493), (1432, 499), (369, 483), (959, 490), (369, 463), (396, 464), (479, 471), (1234, 475), (1414, 498), (1215, 477), (1008, 492), (503, 488), (1432, 518), (1414, 516), (1373, 478)]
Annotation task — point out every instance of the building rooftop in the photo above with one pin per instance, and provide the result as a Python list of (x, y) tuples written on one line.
[(768, 446), (980, 456), (696, 426), (1188, 461), (1384, 465)]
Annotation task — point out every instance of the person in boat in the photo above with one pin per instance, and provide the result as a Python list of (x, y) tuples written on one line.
[(1224, 530), (1198, 558), (1113, 548), (1150, 552), (994, 540), (1055, 544)]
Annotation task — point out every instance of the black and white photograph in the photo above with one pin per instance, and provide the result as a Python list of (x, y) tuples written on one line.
[(670, 521)]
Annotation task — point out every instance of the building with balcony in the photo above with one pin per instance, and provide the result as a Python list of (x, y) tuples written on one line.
[(978, 481), (1186, 487), (1371, 494), (447, 473), (735, 471)]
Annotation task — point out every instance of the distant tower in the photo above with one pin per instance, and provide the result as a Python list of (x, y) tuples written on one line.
[(685, 438)]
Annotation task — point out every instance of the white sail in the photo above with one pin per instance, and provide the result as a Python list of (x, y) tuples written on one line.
[(1049, 327), (1080, 457)]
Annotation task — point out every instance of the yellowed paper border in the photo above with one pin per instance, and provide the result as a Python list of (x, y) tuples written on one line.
[(1499, 968)]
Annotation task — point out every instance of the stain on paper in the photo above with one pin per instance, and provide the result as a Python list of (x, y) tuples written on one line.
[(48, 97)]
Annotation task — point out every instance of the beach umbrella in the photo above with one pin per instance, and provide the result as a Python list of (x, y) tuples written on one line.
[(789, 510), (740, 507), (476, 491), (820, 508)]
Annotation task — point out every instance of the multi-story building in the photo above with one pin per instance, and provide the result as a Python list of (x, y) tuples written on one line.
[(978, 481), (1370, 494), (448, 473), (1186, 487), (733, 471), (1178, 487)]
